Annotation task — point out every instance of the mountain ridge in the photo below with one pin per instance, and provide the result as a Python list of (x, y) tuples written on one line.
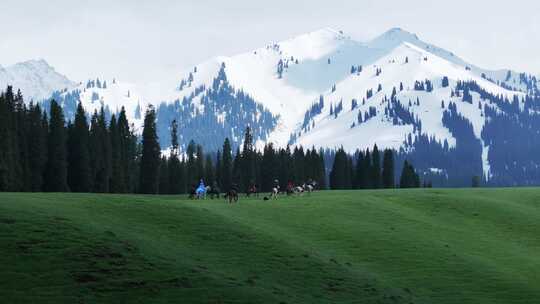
[(327, 90)]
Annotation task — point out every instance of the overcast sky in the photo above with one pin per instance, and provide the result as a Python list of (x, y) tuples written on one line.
[(141, 40)]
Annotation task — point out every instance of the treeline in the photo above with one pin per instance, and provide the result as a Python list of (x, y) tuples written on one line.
[(370, 170), (40, 152), (244, 168), (43, 152)]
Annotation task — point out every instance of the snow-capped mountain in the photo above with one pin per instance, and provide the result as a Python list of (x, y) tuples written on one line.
[(327, 90), (35, 78)]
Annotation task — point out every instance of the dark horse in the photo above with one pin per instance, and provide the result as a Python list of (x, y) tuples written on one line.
[(232, 196), (193, 192)]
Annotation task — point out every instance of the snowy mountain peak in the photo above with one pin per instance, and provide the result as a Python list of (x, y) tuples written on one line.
[(399, 33), (37, 63), (394, 37), (313, 45), (325, 33), (35, 78)]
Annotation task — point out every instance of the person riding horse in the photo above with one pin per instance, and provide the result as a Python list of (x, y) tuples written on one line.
[(275, 189), (201, 190), (252, 190), (290, 188)]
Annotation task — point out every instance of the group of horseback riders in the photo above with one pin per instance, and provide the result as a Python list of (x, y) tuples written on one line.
[(293, 189), (202, 191)]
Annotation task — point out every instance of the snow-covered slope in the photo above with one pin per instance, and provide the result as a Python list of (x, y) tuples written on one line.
[(312, 90), (313, 63), (290, 76), (35, 78), (405, 64)]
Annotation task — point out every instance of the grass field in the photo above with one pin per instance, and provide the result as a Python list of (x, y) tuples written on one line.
[(407, 246)]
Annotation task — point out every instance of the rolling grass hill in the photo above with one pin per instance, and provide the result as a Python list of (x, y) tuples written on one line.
[(403, 246)]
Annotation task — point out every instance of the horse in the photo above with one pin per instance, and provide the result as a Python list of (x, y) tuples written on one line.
[(232, 196), (252, 190), (308, 188), (193, 192), (274, 193), (201, 193), (213, 191), (298, 190), (290, 190)]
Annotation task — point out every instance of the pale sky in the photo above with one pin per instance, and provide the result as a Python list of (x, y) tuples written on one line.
[(141, 40)]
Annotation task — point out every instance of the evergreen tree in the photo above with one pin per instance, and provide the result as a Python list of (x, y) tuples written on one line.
[(128, 154), (175, 167), (100, 149), (269, 167), (248, 166), (37, 147), (116, 179), (56, 170), (199, 163), (409, 178), (209, 173), (218, 167), (388, 169), (360, 172), (237, 167), (183, 176), (445, 82), (376, 168), (21, 130), (298, 165), (191, 168), (226, 165), (150, 160), (285, 167), (10, 179), (79, 173), (6, 153), (367, 169), (320, 169), (163, 187), (340, 175)]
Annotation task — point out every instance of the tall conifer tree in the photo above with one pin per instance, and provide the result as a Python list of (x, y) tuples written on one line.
[(37, 147), (175, 169), (78, 154), (248, 169), (388, 169), (56, 172), (150, 160), (226, 165), (376, 168)]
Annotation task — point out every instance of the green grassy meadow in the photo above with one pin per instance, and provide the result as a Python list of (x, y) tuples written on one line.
[(391, 246)]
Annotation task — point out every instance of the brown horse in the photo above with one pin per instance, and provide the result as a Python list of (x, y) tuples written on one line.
[(232, 196)]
